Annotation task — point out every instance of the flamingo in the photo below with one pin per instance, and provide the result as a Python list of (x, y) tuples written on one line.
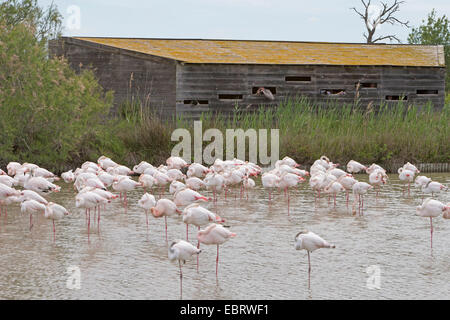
[(44, 173), (334, 188), (141, 167), (89, 200), (105, 163), (147, 181), (248, 183), (31, 206), (181, 250), (376, 179), (12, 168), (197, 170), (147, 202), (359, 190), (309, 241), (176, 186), (373, 167), (406, 175), (446, 214), (288, 180), (270, 181), (355, 167), (433, 187), (188, 196), (68, 176), (125, 184), (215, 182), (40, 185), (106, 178), (120, 170), (175, 174), (164, 208), (195, 183), (5, 193), (431, 208), (8, 181), (215, 234), (176, 163), (54, 212), (347, 182)]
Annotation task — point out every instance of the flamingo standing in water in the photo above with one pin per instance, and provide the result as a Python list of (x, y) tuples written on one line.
[(347, 182), (147, 202), (431, 208), (215, 234), (406, 175), (376, 179), (164, 208), (124, 185), (309, 241), (31, 206), (54, 212), (433, 187), (5, 193), (288, 180), (198, 216), (359, 190), (334, 188), (181, 250), (270, 181)]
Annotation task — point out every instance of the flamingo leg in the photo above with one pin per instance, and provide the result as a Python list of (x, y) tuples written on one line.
[(288, 199), (54, 231), (181, 280), (31, 221), (335, 200), (217, 261), (165, 220), (309, 271), (198, 247), (431, 232)]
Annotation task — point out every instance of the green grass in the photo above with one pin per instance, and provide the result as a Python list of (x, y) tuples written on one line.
[(383, 135)]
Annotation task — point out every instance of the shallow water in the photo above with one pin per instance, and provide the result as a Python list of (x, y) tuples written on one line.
[(125, 261)]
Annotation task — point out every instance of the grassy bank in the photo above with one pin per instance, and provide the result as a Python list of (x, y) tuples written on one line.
[(383, 135)]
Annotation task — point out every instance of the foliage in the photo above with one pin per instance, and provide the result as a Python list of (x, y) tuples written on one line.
[(434, 31), (49, 114)]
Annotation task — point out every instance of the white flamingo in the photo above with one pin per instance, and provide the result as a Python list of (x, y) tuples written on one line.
[(309, 241)]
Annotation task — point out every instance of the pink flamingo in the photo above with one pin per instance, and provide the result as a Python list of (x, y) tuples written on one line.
[(147, 202), (215, 234), (431, 208), (181, 250), (164, 208), (188, 196), (309, 241), (359, 190), (54, 212)]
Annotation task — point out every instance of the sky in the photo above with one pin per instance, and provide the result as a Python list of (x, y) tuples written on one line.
[(291, 20)]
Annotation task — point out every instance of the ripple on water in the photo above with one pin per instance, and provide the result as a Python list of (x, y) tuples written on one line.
[(126, 261)]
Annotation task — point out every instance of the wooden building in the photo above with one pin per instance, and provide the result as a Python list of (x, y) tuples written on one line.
[(188, 77)]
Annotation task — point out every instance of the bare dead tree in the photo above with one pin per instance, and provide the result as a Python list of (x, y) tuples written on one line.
[(385, 15)]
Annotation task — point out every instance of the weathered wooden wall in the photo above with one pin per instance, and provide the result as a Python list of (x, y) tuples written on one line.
[(205, 82), (189, 89), (130, 75)]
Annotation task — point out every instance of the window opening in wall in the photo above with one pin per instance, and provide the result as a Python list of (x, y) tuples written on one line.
[(297, 79)]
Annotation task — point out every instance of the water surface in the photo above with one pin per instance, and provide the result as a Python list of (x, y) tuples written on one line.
[(125, 261)]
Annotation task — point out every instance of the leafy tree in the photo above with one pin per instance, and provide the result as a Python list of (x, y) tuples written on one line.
[(48, 113), (435, 30), (45, 23)]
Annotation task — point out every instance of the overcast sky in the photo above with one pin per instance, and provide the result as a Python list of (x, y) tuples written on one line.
[(295, 20)]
